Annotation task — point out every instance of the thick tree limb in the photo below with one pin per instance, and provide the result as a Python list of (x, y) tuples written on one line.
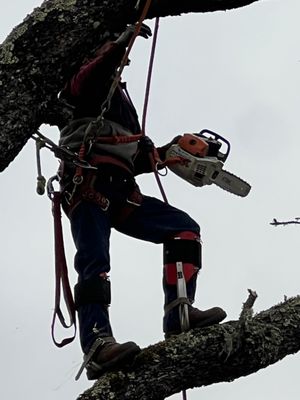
[(165, 8), (52, 41), (220, 353)]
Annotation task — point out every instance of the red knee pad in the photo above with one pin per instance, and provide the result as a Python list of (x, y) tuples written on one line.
[(171, 275)]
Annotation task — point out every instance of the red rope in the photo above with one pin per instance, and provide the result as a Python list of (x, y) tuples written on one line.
[(61, 277), (145, 109), (149, 77), (124, 60), (144, 118)]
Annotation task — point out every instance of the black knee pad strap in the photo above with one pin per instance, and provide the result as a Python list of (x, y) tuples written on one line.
[(186, 251), (93, 290)]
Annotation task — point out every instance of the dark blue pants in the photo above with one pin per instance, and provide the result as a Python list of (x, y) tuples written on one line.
[(153, 221)]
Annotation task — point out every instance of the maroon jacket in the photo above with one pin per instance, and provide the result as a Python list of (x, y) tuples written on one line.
[(89, 87)]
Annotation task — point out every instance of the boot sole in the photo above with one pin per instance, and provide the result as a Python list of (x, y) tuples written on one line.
[(204, 324), (126, 357)]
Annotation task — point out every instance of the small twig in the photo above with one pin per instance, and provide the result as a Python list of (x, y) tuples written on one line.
[(276, 223), (247, 310)]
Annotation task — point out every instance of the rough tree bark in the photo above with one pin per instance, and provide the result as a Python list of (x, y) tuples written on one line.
[(220, 353), (38, 55)]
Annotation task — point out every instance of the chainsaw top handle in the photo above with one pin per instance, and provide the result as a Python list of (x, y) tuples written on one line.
[(210, 135)]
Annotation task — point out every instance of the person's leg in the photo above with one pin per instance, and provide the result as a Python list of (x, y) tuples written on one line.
[(158, 222), (91, 232)]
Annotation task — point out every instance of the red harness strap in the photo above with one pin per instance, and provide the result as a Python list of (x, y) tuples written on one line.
[(118, 139), (61, 276)]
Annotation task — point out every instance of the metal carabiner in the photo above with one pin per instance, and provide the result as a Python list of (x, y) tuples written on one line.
[(50, 187)]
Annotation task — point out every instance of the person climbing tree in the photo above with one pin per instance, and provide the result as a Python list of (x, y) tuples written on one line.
[(105, 195)]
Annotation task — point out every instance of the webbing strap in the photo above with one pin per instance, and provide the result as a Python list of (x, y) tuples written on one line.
[(118, 139), (61, 277), (177, 302)]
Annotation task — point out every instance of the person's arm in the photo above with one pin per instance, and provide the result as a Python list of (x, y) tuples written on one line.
[(97, 71)]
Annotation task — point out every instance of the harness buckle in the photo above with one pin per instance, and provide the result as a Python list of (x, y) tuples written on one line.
[(77, 179), (133, 203), (107, 204), (135, 198)]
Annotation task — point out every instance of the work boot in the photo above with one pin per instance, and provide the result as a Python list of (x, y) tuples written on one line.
[(198, 319), (105, 355)]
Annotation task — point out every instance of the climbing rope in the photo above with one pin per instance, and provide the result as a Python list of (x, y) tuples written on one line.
[(144, 119)]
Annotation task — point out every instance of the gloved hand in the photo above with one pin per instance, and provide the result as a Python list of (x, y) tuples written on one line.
[(145, 144), (125, 37), (163, 150)]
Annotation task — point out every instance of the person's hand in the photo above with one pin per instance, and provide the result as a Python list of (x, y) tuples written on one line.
[(126, 36), (163, 150), (145, 144)]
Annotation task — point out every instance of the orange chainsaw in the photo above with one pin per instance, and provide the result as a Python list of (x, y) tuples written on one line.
[(201, 162)]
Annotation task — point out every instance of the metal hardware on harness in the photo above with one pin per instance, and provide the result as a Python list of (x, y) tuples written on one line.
[(137, 6), (63, 153), (96, 197), (41, 180), (133, 203), (50, 187)]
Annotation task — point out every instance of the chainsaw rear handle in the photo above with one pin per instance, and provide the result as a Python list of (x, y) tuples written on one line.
[(206, 133)]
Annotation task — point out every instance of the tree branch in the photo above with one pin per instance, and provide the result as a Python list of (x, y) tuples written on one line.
[(163, 8), (220, 353), (41, 52), (275, 222)]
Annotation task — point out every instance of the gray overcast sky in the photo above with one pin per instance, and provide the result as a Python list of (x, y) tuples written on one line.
[(237, 73)]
